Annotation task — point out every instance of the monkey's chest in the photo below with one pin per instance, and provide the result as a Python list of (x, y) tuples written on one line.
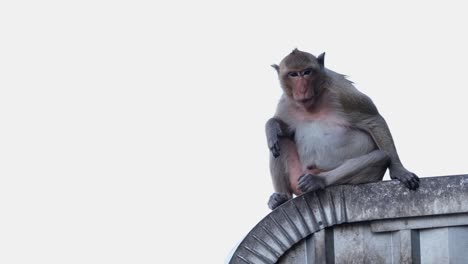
[(326, 145)]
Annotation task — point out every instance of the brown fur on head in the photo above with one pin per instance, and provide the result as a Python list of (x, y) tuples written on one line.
[(301, 76)]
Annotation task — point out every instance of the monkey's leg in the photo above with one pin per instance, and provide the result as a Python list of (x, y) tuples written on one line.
[(366, 168), (285, 170)]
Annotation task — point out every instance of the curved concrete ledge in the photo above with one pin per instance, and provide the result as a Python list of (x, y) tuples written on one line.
[(309, 213)]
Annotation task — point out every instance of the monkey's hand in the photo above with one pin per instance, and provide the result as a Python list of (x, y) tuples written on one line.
[(277, 199), (409, 179), (273, 132), (310, 183)]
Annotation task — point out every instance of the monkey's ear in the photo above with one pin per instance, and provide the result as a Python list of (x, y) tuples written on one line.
[(321, 60), (276, 67)]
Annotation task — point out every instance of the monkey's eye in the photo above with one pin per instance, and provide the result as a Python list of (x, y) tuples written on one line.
[(307, 72), (293, 74)]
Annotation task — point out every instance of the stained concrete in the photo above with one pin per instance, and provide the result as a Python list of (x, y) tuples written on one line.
[(381, 222)]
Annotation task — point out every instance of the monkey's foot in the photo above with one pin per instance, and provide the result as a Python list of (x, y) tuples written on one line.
[(310, 183), (277, 199), (409, 179)]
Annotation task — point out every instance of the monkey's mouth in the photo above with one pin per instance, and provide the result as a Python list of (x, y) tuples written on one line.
[(306, 101)]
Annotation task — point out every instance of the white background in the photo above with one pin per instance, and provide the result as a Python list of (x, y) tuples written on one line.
[(132, 131)]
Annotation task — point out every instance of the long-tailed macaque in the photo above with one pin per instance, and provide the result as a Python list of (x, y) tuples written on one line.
[(325, 132)]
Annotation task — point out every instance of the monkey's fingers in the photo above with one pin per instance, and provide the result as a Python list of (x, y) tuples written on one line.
[(301, 185), (301, 180), (415, 181), (407, 183), (277, 199), (410, 180), (275, 149), (309, 183), (305, 183)]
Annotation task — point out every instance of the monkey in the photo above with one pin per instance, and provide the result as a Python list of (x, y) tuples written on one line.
[(326, 132)]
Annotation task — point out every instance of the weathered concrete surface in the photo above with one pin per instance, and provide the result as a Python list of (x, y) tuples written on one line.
[(383, 200), (305, 215), (422, 222)]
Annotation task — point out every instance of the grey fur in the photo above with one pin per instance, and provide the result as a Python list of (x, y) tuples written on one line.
[(341, 134)]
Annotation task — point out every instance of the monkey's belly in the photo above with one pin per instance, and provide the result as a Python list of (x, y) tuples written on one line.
[(326, 146)]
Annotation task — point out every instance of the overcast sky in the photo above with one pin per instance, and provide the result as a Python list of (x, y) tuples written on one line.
[(133, 131)]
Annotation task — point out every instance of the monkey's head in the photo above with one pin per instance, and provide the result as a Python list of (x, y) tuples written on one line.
[(301, 76)]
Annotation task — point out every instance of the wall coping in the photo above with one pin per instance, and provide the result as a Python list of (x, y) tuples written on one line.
[(311, 212)]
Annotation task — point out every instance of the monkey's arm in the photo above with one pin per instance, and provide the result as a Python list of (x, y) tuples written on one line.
[(279, 137), (376, 126), (364, 115), (275, 129)]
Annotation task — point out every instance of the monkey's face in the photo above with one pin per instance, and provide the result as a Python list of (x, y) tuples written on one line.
[(300, 73), (298, 84)]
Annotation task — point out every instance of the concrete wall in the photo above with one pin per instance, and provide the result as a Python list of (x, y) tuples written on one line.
[(413, 241), (371, 223)]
